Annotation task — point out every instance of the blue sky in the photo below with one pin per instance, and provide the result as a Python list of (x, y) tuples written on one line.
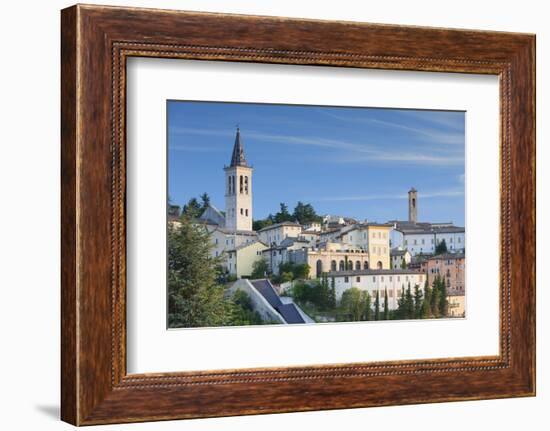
[(357, 162)]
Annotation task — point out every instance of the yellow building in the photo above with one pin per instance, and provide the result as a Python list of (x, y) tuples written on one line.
[(240, 260)]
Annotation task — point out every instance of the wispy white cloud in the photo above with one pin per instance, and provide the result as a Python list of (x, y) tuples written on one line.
[(455, 137), (343, 151)]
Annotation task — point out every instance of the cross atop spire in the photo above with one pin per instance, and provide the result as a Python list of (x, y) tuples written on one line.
[(237, 158)]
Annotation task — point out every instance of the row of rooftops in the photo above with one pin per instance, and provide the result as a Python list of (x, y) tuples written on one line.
[(425, 227), (352, 273)]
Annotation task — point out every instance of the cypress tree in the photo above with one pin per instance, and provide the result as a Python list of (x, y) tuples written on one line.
[(386, 305), (332, 302), (409, 303), (417, 302), (368, 309), (426, 303), (434, 303), (443, 302), (400, 312), (377, 306)]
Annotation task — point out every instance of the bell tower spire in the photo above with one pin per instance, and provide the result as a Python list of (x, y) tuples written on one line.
[(237, 158), (238, 189)]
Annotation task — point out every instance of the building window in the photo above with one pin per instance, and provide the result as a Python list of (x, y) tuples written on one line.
[(241, 186), (374, 278), (242, 211), (357, 266), (390, 278), (406, 242), (422, 241), (459, 240), (357, 279), (342, 267), (246, 184), (366, 265), (415, 242), (333, 265), (346, 279), (246, 212)]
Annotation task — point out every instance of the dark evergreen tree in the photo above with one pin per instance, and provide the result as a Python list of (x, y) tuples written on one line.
[(368, 307), (434, 303), (192, 209), (332, 302), (409, 303), (400, 312), (305, 213), (443, 301), (441, 248), (417, 302), (377, 306), (283, 214), (386, 305), (426, 303), (205, 200), (194, 296)]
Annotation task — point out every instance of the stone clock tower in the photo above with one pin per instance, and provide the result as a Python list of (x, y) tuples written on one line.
[(238, 190)]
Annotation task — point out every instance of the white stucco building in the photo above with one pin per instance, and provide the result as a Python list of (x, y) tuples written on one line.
[(372, 281)]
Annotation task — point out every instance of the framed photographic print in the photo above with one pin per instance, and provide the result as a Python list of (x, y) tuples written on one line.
[(322, 214)]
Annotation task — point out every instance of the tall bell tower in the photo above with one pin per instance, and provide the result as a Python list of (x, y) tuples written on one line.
[(413, 205), (238, 189)]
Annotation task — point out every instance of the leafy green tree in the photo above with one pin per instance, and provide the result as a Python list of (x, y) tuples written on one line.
[(301, 271), (242, 312), (441, 248), (260, 268), (386, 305), (352, 304), (194, 296), (403, 264), (417, 302), (377, 306), (285, 277)]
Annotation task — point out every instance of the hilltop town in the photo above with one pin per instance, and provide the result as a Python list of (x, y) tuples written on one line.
[(296, 272)]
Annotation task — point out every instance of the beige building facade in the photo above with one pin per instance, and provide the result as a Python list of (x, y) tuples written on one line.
[(240, 261)]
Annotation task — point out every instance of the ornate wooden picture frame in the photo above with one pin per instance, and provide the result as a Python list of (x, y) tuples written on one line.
[(96, 41)]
